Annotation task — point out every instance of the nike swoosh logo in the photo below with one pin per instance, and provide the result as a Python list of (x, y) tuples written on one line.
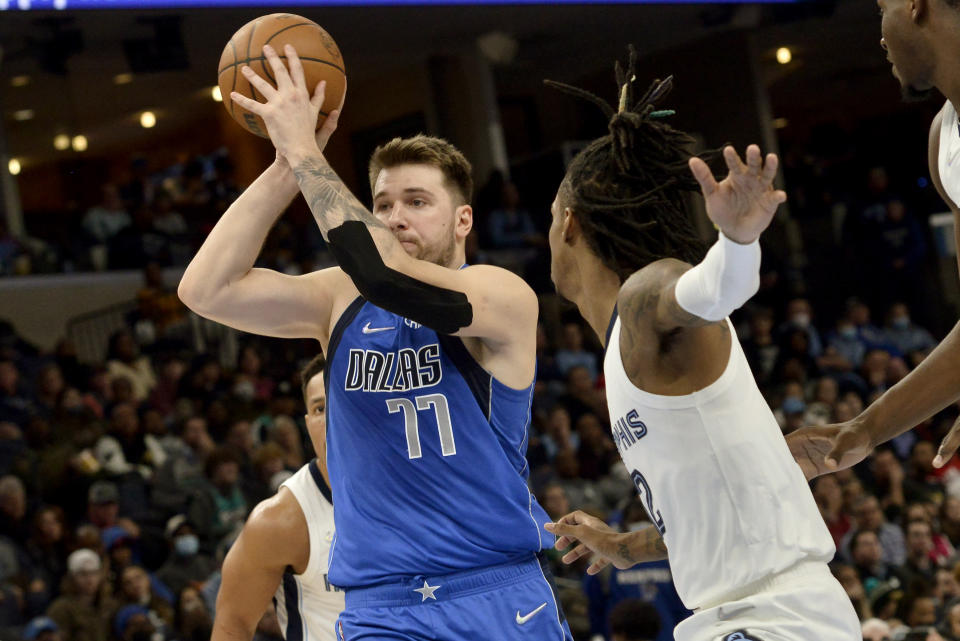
[(523, 619), (373, 330), (723, 615)]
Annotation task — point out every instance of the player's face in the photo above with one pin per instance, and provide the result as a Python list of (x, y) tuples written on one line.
[(415, 203), (316, 418), (907, 48)]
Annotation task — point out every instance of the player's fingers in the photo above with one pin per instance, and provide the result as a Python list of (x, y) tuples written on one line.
[(265, 88), (319, 94), (296, 69), (700, 170), (280, 73), (734, 164), (597, 566), (754, 159), (564, 533), (948, 446), (575, 554), (770, 168), (247, 103)]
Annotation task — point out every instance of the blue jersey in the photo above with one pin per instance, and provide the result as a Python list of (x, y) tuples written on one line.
[(426, 453)]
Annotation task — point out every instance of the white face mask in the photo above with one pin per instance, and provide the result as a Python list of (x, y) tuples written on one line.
[(801, 320)]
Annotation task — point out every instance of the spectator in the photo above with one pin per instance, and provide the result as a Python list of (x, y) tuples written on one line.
[(249, 383), (760, 348), (572, 353), (133, 623), (875, 630), (16, 405), (192, 621), (596, 452), (159, 309), (919, 567), (42, 629), (867, 555), (903, 334), (182, 472), (800, 317), (122, 449), (218, 509), (135, 590), (103, 221), (868, 516), (47, 549), (13, 508), (185, 565), (845, 347), (83, 612), (829, 498), (124, 360), (849, 579)]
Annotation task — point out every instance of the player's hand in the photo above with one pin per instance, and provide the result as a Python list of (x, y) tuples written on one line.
[(828, 448), (291, 110), (742, 204), (948, 446), (592, 536)]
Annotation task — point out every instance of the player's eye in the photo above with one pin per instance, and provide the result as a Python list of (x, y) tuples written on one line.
[(418, 202)]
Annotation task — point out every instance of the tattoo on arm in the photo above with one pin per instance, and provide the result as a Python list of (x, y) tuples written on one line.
[(329, 199), (643, 545)]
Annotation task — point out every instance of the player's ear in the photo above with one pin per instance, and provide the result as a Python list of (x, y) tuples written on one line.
[(918, 8), (463, 219), (569, 226)]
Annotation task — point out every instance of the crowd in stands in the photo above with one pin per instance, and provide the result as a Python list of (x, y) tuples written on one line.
[(124, 482)]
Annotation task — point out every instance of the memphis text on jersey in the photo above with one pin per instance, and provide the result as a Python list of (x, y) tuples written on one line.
[(406, 369), (627, 430)]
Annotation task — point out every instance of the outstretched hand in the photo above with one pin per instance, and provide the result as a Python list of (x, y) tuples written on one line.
[(291, 110), (828, 448), (742, 204), (594, 537)]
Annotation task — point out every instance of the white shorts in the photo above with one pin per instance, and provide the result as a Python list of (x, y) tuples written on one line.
[(803, 603)]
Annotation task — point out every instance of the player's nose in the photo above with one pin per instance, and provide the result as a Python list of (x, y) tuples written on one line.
[(396, 220)]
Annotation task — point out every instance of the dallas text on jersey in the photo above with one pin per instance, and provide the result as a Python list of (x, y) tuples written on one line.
[(405, 369)]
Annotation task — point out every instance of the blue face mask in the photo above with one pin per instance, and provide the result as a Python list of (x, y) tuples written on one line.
[(901, 322), (848, 332), (186, 545)]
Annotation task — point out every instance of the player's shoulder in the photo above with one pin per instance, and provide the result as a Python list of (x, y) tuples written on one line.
[(642, 288), (277, 521), (934, 153)]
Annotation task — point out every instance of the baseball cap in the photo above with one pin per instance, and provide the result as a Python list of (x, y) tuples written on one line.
[(83, 560), (38, 626), (103, 492), (114, 536)]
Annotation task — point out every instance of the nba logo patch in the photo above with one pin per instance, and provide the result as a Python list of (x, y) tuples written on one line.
[(740, 635)]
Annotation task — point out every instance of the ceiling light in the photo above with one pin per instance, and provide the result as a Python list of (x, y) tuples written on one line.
[(19, 81), (23, 114), (61, 142), (784, 55), (123, 78), (79, 143), (14, 166), (216, 95), (148, 119)]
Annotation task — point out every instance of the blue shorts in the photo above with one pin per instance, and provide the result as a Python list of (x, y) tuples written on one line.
[(510, 602)]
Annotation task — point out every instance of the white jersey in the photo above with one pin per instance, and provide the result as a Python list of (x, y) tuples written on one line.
[(949, 160), (307, 605), (717, 479)]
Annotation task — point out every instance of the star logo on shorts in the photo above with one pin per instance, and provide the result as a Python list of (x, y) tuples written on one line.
[(427, 591), (740, 635)]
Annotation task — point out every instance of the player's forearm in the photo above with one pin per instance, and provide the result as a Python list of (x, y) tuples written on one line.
[(641, 546), (232, 247), (932, 386), (332, 203)]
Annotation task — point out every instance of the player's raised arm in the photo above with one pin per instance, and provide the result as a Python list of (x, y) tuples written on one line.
[(222, 284), (469, 302), (274, 537), (741, 206)]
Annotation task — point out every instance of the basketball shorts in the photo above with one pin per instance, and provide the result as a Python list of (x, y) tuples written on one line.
[(510, 602), (802, 603)]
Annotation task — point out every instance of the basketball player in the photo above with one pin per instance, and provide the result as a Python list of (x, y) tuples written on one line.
[(428, 389), (747, 545), (282, 550), (921, 38)]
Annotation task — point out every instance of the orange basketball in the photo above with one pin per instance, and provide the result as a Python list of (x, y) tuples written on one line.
[(318, 53)]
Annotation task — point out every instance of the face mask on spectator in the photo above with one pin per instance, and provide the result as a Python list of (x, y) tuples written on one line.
[(901, 322), (801, 320), (848, 331), (186, 545)]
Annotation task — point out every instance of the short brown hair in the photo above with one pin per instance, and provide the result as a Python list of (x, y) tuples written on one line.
[(311, 369), (425, 150)]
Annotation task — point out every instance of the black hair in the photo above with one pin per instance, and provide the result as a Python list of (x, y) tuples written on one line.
[(311, 369), (628, 187)]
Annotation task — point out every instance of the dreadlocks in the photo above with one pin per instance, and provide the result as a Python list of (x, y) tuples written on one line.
[(627, 187)]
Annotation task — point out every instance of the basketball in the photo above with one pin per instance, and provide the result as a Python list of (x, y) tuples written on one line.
[(318, 53)]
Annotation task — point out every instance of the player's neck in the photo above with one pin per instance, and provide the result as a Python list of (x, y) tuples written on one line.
[(598, 296)]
